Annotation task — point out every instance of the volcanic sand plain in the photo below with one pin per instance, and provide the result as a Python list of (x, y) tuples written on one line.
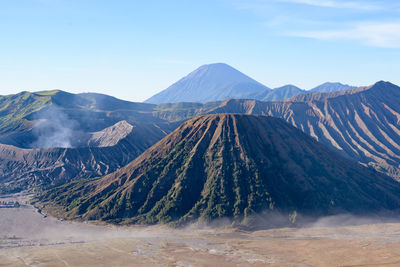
[(28, 238)]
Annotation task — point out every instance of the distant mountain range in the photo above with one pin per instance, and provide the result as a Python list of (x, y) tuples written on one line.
[(276, 94), (362, 124), (215, 82), (45, 128), (93, 156), (331, 87), (27, 119), (49, 138), (228, 166)]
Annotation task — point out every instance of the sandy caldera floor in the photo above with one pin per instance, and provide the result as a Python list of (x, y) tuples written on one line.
[(28, 238), (364, 245)]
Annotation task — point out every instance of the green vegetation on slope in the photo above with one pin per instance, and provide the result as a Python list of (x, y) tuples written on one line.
[(229, 165), (14, 108)]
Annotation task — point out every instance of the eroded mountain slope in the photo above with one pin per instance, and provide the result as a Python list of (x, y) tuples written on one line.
[(229, 165), (362, 124), (103, 153)]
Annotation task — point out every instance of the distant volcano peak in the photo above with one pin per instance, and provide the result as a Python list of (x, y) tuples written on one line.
[(211, 82)]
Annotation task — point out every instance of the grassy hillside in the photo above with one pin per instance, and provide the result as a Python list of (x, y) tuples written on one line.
[(233, 166), (14, 108)]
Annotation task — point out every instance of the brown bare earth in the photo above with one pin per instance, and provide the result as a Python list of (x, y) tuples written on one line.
[(365, 245), (28, 238), (362, 124), (228, 166), (105, 152)]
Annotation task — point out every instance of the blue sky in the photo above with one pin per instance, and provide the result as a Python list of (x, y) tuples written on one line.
[(133, 49)]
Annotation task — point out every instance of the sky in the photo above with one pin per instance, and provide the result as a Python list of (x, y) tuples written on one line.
[(134, 49)]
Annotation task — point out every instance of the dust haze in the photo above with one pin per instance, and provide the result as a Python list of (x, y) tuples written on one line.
[(26, 226), (28, 237)]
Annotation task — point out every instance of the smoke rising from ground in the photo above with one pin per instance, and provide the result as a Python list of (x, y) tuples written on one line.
[(53, 129)]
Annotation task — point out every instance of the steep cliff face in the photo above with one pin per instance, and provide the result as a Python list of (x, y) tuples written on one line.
[(229, 165)]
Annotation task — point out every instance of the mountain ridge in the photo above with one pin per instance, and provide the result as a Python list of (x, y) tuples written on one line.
[(276, 94), (22, 168), (345, 121), (328, 87), (228, 165), (368, 131)]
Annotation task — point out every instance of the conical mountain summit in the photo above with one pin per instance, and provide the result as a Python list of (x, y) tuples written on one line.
[(210, 82), (229, 165)]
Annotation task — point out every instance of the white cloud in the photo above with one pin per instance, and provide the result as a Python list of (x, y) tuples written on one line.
[(363, 5), (378, 27), (385, 35)]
